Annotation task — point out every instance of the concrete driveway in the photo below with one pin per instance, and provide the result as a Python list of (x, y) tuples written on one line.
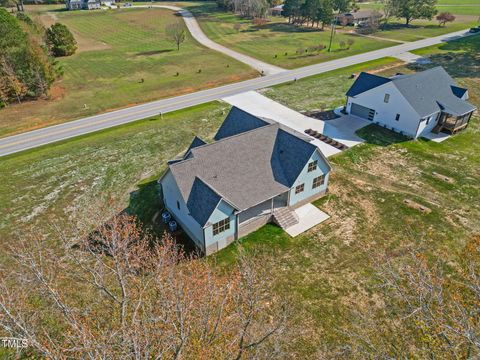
[(342, 129), (261, 106)]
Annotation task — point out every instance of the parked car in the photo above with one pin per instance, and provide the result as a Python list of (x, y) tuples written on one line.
[(475, 29), (127, 5)]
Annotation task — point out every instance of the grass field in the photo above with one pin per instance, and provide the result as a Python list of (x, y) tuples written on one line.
[(277, 42), (117, 49), (327, 273), (457, 7)]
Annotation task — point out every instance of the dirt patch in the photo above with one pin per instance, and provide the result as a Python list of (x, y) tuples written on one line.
[(443, 177), (414, 205), (47, 19), (86, 44), (57, 92)]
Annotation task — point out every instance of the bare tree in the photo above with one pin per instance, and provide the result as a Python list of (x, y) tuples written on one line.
[(121, 293), (176, 33), (427, 313)]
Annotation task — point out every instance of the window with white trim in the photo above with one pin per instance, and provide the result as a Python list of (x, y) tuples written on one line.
[(318, 181), (386, 98), (312, 166), (221, 226), (397, 117)]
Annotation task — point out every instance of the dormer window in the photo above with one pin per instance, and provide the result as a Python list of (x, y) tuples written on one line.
[(386, 99), (312, 166)]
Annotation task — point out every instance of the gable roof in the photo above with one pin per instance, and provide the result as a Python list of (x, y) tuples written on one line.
[(365, 82), (427, 92), (244, 170), (202, 201), (195, 143), (237, 122)]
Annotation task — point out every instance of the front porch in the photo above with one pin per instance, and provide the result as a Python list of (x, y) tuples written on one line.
[(452, 124)]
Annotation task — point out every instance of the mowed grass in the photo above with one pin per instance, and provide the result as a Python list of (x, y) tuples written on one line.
[(457, 7), (277, 42), (328, 272), (124, 58), (119, 166)]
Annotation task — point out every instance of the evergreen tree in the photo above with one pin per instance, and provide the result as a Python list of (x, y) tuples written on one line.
[(60, 40)]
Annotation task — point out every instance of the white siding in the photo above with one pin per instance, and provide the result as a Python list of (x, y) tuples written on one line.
[(385, 113)]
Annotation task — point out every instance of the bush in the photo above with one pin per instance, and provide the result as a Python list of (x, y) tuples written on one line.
[(25, 18), (259, 21), (60, 40)]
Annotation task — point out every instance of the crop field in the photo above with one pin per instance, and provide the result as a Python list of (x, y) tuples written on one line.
[(277, 42), (327, 273), (124, 58)]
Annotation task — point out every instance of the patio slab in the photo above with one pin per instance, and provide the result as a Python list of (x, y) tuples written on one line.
[(309, 216), (438, 138)]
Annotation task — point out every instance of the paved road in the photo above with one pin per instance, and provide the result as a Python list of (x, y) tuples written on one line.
[(87, 125), (199, 35)]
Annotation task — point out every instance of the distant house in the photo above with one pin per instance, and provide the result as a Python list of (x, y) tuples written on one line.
[(82, 4), (358, 17), (257, 171), (277, 10), (415, 104)]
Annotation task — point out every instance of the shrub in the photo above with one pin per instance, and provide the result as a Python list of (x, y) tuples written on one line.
[(259, 21), (445, 17), (60, 40), (350, 42), (237, 27)]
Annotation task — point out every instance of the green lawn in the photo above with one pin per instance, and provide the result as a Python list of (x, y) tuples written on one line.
[(277, 42), (457, 7), (117, 49), (327, 273), (120, 164)]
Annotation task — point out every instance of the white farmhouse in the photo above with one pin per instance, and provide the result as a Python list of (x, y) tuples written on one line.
[(414, 105)]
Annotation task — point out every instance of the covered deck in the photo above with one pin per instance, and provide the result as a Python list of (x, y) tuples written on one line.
[(452, 123)]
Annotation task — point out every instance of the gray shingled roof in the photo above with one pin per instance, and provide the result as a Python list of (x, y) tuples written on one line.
[(237, 122), (244, 169), (427, 92), (430, 91)]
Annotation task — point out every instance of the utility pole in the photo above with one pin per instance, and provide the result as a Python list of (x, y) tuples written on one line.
[(332, 31)]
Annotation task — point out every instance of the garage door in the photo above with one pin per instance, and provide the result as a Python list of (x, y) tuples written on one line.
[(362, 111)]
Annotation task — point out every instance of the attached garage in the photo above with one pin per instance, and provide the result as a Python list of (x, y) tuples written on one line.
[(362, 111)]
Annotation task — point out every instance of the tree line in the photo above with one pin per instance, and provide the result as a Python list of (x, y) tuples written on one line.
[(27, 51), (305, 12)]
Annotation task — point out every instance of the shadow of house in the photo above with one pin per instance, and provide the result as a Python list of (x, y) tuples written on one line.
[(380, 136), (147, 206)]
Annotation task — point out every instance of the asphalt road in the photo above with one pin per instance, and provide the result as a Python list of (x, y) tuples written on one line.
[(32, 139)]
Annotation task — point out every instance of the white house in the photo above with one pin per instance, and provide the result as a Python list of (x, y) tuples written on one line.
[(82, 4), (257, 171), (414, 105)]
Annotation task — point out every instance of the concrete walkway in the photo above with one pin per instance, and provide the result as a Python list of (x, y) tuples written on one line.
[(199, 35)]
